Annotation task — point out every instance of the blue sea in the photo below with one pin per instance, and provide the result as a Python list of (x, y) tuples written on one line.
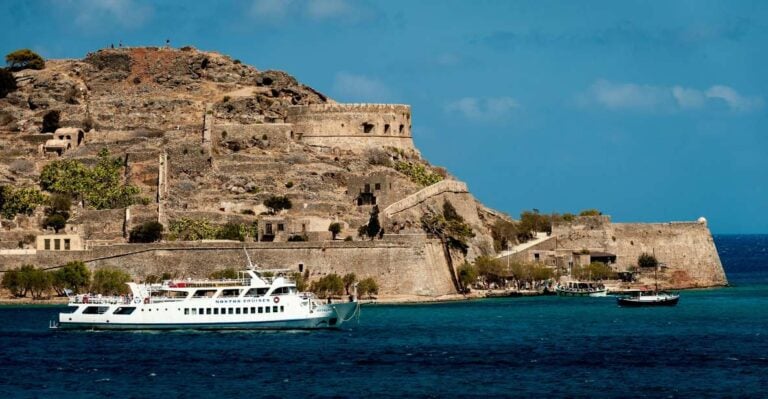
[(714, 344)]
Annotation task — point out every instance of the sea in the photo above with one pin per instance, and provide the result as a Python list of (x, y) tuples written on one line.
[(714, 344)]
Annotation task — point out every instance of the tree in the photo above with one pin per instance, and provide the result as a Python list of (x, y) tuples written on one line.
[(647, 260), (367, 286), (55, 222), (467, 275), (590, 212), (7, 82), (12, 281), (76, 276), (373, 223), (51, 121), (277, 203), (146, 232), (298, 237), (335, 229), (38, 282), (100, 186), (329, 285), (15, 201), (301, 280), (593, 271), (348, 280), (109, 281), (24, 59), (503, 232), (491, 269)]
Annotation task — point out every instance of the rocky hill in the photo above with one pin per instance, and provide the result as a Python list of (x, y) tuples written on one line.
[(206, 137)]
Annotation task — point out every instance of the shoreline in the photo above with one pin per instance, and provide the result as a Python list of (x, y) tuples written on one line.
[(379, 300)]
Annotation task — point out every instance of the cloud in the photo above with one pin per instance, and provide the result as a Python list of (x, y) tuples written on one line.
[(493, 108), (734, 100), (649, 98), (97, 13), (351, 87), (314, 10)]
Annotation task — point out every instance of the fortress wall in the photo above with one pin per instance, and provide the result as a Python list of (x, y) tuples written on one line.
[(354, 127), (687, 248), (401, 267), (104, 224)]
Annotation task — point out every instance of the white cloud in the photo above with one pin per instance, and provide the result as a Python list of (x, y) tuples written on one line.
[(483, 108), (636, 97), (734, 100), (351, 87), (97, 13), (316, 10)]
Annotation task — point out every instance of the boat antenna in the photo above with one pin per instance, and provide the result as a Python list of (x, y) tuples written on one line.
[(250, 264)]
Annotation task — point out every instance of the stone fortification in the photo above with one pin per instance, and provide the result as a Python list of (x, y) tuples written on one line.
[(354, 127), (414, 267), (686, 248)]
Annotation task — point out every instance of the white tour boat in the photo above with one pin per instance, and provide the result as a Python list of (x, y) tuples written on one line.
[(255, 300), (581, 288)]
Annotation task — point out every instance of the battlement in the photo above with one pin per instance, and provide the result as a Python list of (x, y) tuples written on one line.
[(355, 107), (354, 127)]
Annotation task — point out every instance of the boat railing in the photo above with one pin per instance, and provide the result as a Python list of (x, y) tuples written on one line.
[(100, 299)]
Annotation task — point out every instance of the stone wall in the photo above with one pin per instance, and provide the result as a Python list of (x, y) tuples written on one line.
[(354, 127), (415, 267), (687, 248)]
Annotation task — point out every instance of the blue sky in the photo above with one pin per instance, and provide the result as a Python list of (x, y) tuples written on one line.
[(649, 111)]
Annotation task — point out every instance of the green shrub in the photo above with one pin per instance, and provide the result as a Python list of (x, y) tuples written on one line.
[(348, 238), (24, 59), (503, 232), (231, 231), (13, 282), (109, 281), (590, 212), (289, 184), (298, 237), (7, 82), (349, 279), (146, 232), (418, 173), (373, 228), (467, 275), (647, 260)]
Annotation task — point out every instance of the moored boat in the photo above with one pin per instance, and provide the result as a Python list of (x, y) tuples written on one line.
[(581, 288), (649, 299), (257, 299)]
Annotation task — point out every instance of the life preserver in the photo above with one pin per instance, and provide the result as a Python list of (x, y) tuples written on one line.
[(146, 300), (277, 299), (137, 300)]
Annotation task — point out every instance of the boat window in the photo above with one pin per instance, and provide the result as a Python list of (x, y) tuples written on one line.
[(186, 310), (204, 294), (253, 310), (231, 311), (124, 310), (284, 290), (201, 311), (207, 310), (282, 308), (230, 293), (261, 310), (194, 311), (245, 310), (256, 292), (96, 310), (215, 310), (237, 310), (274, 309), (267, 307)]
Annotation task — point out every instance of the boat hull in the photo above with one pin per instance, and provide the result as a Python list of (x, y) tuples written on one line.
[(639, 303), (343, 313), (600, 293)]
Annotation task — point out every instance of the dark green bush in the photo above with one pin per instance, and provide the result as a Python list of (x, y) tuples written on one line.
[(24, 59), (7, 82), (51, 121)]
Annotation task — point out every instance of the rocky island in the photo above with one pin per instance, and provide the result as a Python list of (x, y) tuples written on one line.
[(224, 156)]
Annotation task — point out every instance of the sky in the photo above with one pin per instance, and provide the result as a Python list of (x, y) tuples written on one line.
[(648, 111)]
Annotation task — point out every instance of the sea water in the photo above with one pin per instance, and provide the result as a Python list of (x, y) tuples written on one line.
[(713, 344)]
